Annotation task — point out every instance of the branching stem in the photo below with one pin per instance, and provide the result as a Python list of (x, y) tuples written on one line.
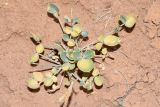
[(46, 58), (95, 41)]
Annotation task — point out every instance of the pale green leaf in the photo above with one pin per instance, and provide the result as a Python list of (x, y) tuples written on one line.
[(63, 57), (53, 9), (122, 19), (58, 47), (74, 55), (88, 54), (84, 34), (65, 37), (67, 19), (75, 20)]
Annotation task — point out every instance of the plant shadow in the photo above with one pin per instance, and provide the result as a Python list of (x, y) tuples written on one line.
[(54, 18), (33, 90), (129, 30)]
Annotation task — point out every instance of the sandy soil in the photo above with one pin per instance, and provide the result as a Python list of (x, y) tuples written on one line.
[(138, 58)]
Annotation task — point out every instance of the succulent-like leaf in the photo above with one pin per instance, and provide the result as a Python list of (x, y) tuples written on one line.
[(67, 82), (89, 84), (64, 57), (77, 28), (68, 66), (33, 84), (54, 71), (77, 54), (85, 65), (69, 54), (67, 30), (74, 55), (48, 82), (130, 20), (65, 37), (34, 58), (38, 76), (84, 78), (95, 72), (117, 29), (84, 34), (104, 51), (72, 66), (71, 43), (74, 33), (82, 83), (111, 40), (54, 78), (98, 81), (40, 48), (65, 66), (122, 19), (52, 9), (98, 46), (58, 47), (75, 20), (48, 74), (88, 54), (67, 19), (101, 38), (36, 38)]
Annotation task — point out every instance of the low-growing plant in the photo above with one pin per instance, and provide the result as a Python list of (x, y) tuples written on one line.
[(70, 60)]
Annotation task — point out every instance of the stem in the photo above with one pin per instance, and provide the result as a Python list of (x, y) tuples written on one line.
[(57, 87), (113, 31), (51, 54), (121, 25), (110, 56), (61, 81), (46, 58), (95, 41), (49, 48), (99, 56), (63, 46), (60, 23), (77, 77), (77, 42), (39, 70), (92, 43), (59, 70), (98, 62)]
